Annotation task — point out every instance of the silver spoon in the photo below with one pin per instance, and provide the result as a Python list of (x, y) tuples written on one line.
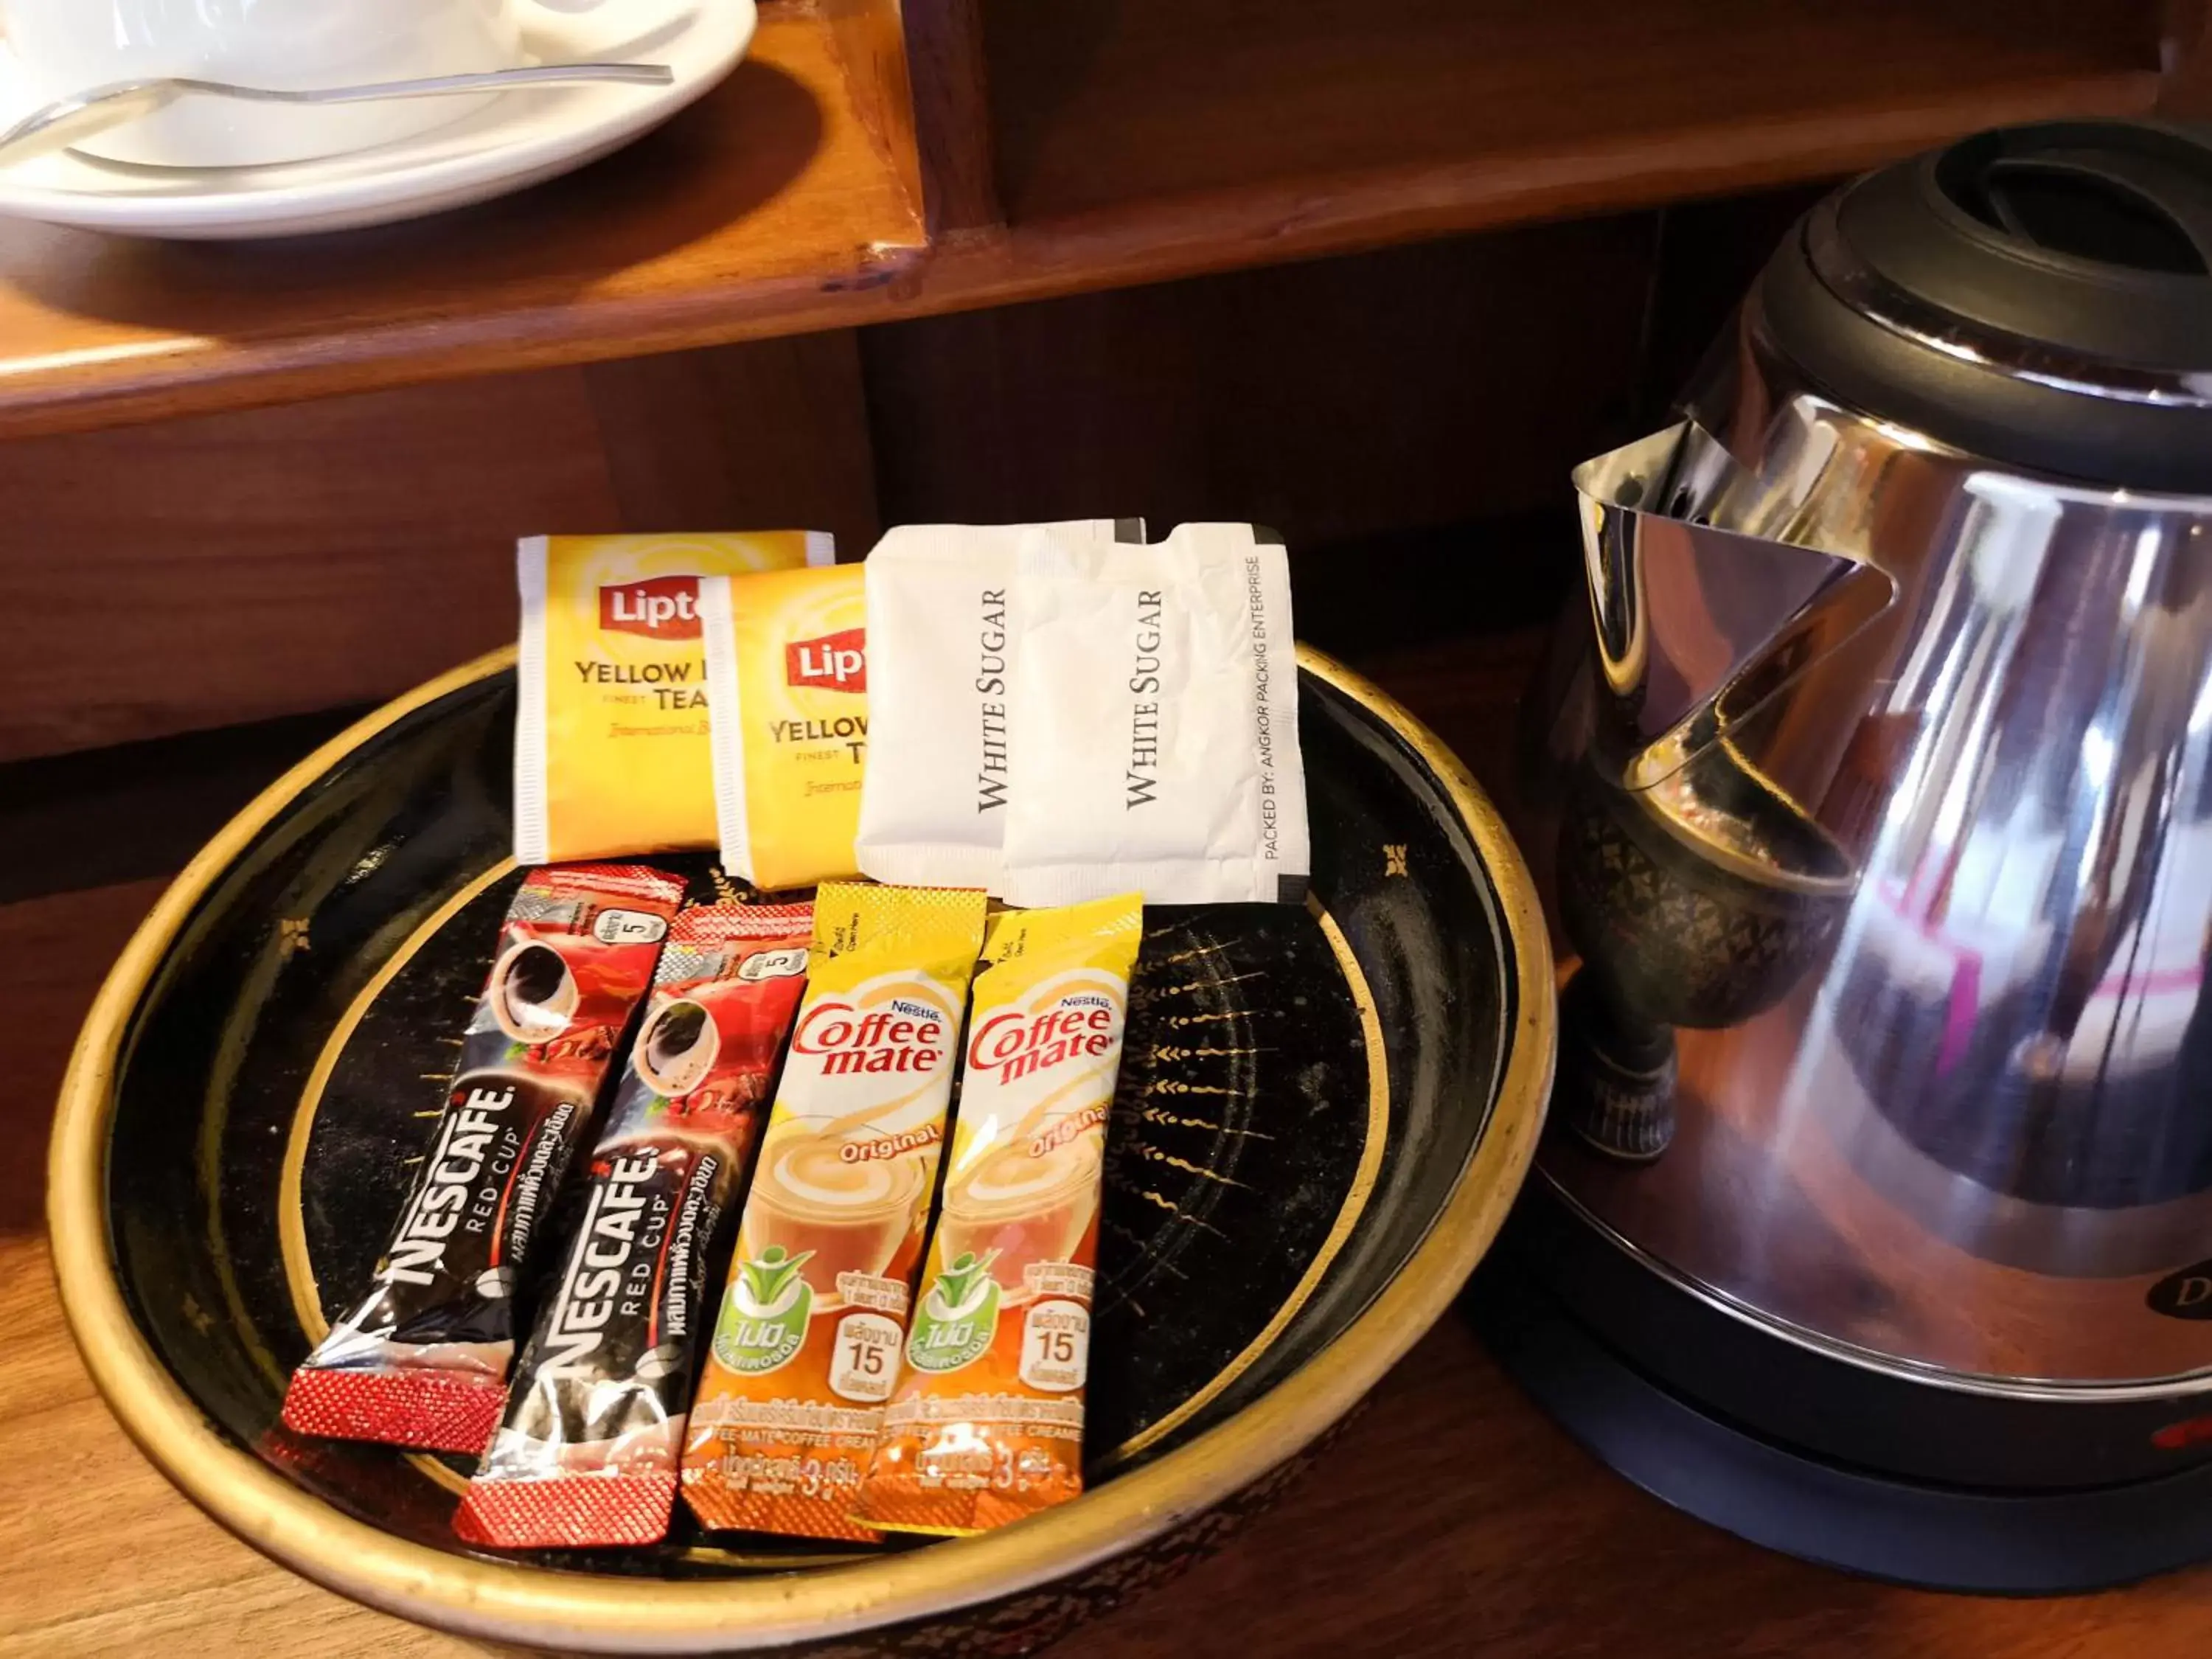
[(72, 120)]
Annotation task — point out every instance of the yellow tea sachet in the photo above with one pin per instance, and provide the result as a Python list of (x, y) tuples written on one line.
[(986, 1424), (787, 685), (806, 1349), (611, 716)]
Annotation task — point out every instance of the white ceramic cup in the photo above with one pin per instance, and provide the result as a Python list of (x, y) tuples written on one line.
[(63, 47)]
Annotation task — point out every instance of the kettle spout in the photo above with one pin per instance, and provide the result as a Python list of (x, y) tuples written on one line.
[(1691, 619)]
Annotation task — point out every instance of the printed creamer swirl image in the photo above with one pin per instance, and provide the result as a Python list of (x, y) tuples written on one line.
[(806, 1349)]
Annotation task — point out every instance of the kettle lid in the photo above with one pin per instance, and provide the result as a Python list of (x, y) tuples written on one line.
[(2040, 295)]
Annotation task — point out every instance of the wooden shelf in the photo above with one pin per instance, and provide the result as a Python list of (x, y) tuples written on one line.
[(1114, 103), (1136, 140), (780, 189)]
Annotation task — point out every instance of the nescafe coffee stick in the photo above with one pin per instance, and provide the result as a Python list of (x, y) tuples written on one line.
[(588, 1452), (421, 1359)]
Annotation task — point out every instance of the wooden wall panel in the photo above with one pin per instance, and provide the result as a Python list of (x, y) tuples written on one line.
[(770, 434), (1709, 254), (235, 567), (1422, 387), (1104, 103), (242, 566)]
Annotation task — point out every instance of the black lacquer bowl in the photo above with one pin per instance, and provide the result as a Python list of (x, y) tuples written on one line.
[(1324, 1113)]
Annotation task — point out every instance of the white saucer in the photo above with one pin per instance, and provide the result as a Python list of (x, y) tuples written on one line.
[(519, 138)]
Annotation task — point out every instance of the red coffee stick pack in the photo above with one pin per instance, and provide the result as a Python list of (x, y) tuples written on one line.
[(588, 1451), (421, 1359)]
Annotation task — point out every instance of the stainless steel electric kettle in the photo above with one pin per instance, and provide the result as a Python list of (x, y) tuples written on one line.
[(1876, 788)]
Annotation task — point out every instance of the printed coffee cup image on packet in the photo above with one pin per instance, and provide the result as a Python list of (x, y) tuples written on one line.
[(611, 687), (805, 1347), (933, 799), (422, 1358), (586, 1454), (987, 1423), (787, 686), (1153, 726)]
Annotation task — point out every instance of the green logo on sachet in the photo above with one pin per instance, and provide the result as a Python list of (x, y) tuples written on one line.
[(957, 1317), (764, 1320)]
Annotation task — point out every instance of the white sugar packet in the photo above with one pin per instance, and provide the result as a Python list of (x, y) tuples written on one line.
[(933, 803), (1153, 726)]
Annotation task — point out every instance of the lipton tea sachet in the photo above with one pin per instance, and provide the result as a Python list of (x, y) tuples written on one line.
[(933, 801), (1153, 737), (806, 1347), (587, 1451), (422, 1358), (788, 685), (986, 1424), (610, 712)]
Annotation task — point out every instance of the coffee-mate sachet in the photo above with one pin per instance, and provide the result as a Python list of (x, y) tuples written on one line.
[(986, 1424), (788, 684), (610, 713), (806, 1349)]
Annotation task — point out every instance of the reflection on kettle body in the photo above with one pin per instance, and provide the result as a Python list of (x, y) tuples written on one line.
[(1886, 835)]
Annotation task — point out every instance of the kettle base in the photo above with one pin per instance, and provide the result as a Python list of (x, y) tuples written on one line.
[(1879, 1526)]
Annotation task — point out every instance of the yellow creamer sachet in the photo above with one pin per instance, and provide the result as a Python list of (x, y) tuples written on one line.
[(787, 691), (805, 1347), (610, 753), (985, 1424)]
